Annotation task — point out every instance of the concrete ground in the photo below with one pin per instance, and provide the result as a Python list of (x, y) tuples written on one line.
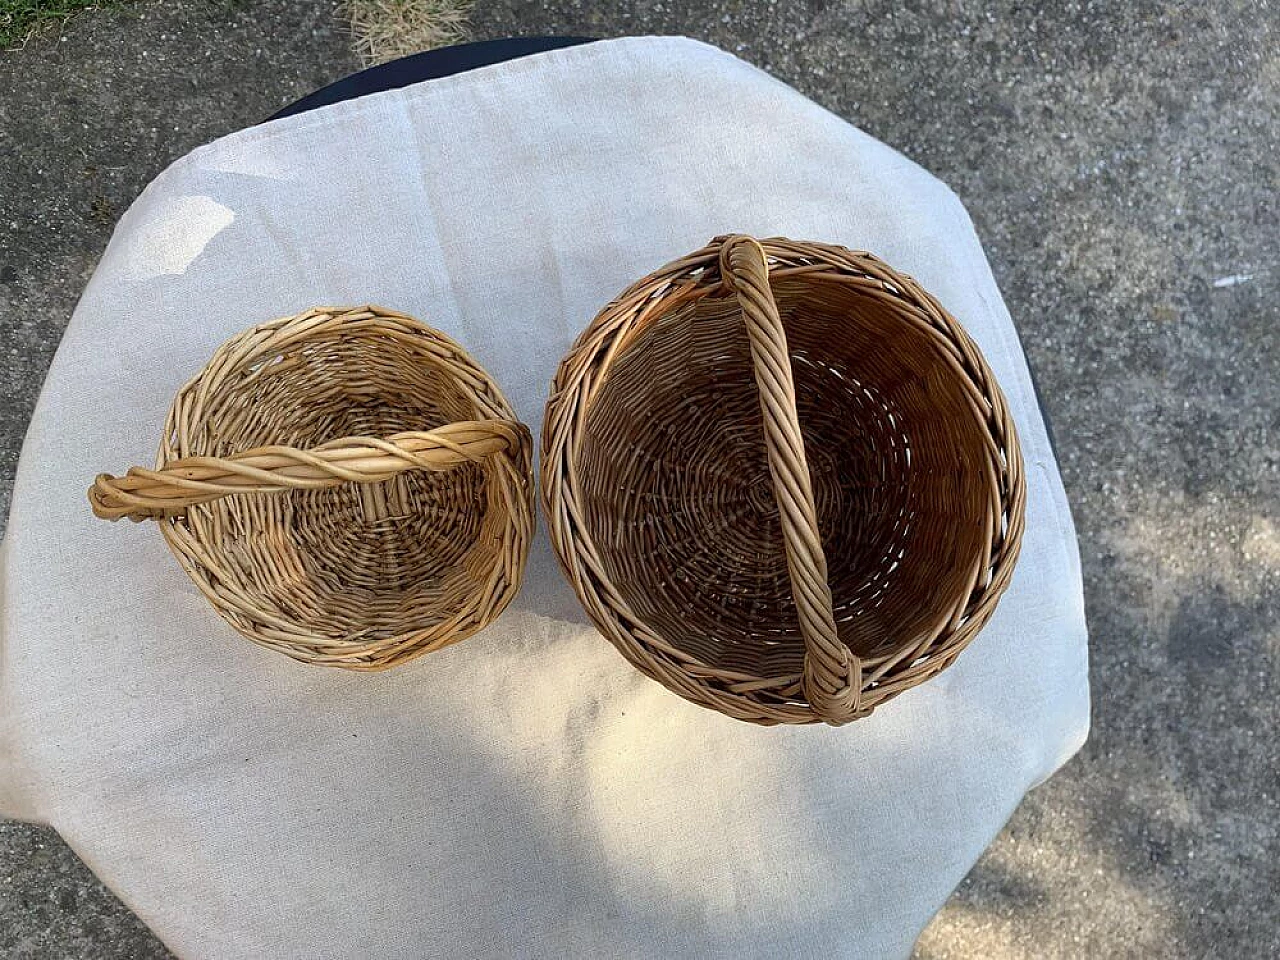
[(1120, 162)]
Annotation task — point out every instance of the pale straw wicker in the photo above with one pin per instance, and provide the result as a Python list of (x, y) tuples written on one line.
[(345, 486), (782, 480)]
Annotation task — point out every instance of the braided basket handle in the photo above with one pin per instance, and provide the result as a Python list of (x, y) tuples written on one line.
[(143, 494), (832, 680)]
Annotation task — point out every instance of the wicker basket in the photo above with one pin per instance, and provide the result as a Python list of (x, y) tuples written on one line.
[(782, 480), (345, 486)]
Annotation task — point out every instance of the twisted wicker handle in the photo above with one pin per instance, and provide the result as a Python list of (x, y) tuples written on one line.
[(143, 494), (832, 679)]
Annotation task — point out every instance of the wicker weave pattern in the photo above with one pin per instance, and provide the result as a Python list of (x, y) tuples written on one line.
[(832, 677), (345, 486), (782, 480)]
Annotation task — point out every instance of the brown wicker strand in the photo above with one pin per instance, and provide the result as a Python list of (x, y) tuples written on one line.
[(832, 675), (144, 494)]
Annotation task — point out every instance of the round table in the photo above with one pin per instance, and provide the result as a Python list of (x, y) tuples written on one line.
[(526, 792)]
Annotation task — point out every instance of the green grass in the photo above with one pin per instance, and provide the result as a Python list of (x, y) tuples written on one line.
[(382, 29), (18, 18)]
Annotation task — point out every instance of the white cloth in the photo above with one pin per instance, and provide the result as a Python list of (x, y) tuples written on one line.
[(524, 793)]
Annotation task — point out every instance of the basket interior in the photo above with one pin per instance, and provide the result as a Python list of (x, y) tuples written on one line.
[(361, 561), (680, 506)]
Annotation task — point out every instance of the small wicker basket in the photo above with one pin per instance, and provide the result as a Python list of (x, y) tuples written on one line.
[(345, 486), (782, 480)]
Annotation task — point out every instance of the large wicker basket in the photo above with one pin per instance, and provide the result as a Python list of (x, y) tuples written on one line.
[(782, 480), (345, 486)]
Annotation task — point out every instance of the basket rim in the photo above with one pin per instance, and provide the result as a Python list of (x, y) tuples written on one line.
[(586, 368)]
